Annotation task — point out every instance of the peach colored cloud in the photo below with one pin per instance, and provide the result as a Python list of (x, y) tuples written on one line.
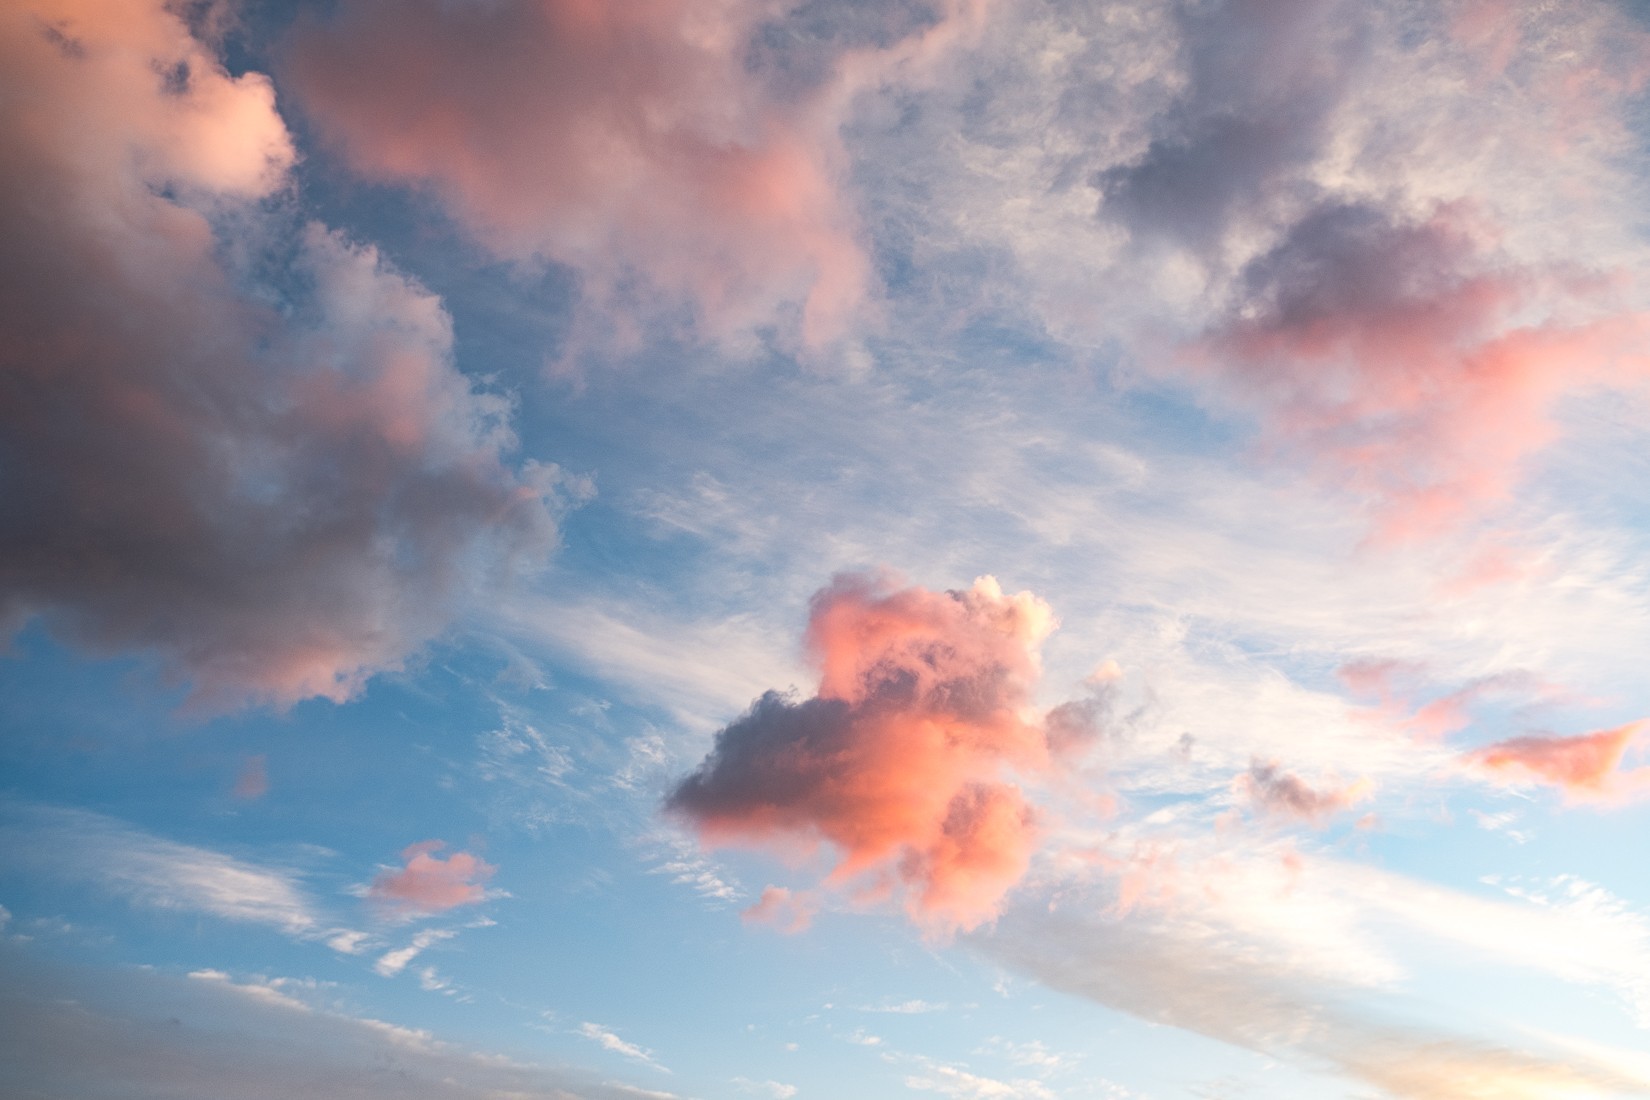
[(430, 884), (1587, 768), (674, 140), (787, 911), (241, 465), (902, 760)]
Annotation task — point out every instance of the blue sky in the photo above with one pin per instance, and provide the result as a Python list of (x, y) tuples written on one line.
[(978, 549)]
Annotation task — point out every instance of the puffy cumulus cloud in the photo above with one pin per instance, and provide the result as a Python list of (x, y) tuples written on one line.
[(693, 145), (901, 759), (430, 884), (274, 485), (1587, 768)]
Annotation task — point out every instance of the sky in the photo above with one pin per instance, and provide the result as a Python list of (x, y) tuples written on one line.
[(979, 549)]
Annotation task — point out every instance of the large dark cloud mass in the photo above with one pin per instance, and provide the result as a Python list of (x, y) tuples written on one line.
[(264, 472)]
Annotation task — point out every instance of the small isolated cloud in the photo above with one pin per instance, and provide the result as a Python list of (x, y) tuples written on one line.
[(394, 962), (902, 760), (347, 941), (430, 884), (776, 1089), (782, 909), (610, 1041), (253, 782), (1279, 792), (1587, 768)]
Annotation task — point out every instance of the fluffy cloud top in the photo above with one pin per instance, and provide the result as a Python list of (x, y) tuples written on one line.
[(430, 884), (273, 485), (901, 759)]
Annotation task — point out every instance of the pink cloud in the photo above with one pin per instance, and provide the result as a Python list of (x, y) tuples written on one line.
[(663, 139), (430, 884), (902, 759), (789, 912), (1395, 353), (235, 477), (253, 782), (1586, 767)]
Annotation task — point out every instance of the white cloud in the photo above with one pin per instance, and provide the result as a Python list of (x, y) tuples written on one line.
[(160, 874), (394, 962), (610, 1041)]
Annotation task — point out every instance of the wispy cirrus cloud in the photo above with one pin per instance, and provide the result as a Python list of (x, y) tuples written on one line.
[(609, 1040), (161, 874)]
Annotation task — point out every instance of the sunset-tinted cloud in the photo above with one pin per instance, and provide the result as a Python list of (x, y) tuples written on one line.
[(274, 485), (431, 884), (693, 145), (1274, 790), (1585, 767), (1389, 349), (902, 759)]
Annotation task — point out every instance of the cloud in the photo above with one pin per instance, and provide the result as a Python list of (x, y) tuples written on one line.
[(784, 910), (430, 884), (1281, 792), (150, 1036), (1391, 349), (1586, 767), (159, 873), (249, 455), (1180, 971), (693, 146), (611, 1042), (394, 962), (900, 761)]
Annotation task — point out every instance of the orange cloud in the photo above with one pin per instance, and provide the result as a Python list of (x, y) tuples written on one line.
[(901, 761), (430, 884), (1585, 768)]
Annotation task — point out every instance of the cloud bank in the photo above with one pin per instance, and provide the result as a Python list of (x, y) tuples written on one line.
[(258, 467)]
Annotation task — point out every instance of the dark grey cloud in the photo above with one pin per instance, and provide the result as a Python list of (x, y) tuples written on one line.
[(1262, 81)]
